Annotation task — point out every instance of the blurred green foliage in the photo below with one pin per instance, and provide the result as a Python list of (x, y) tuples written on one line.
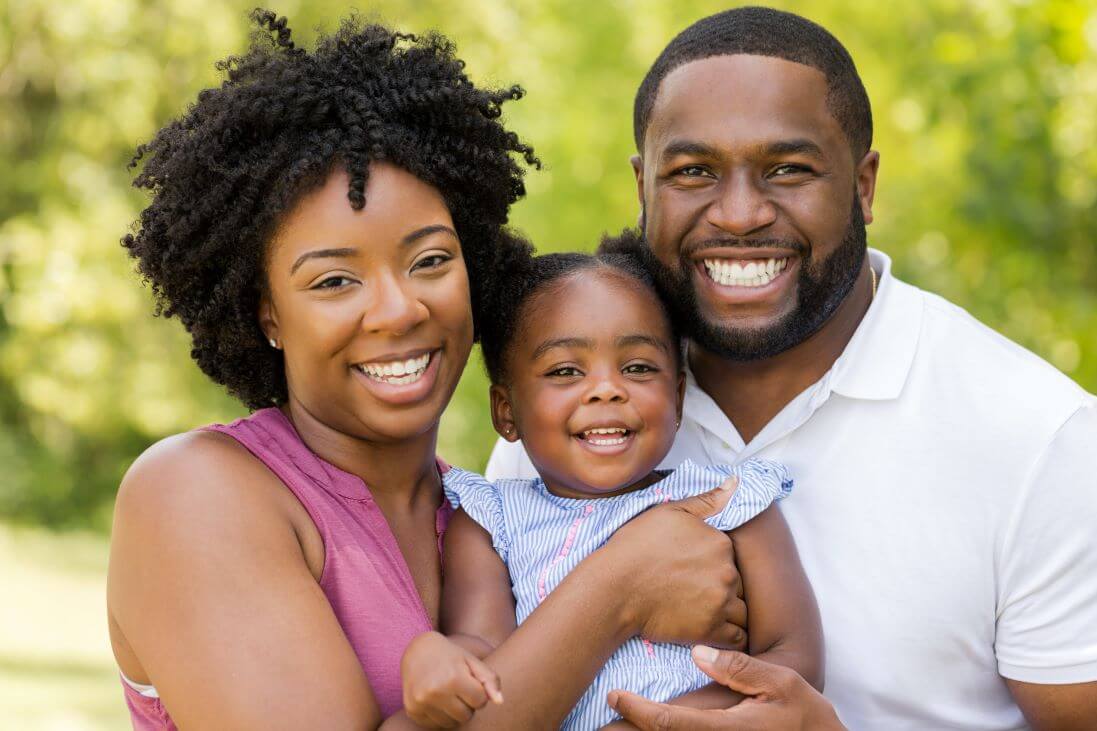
[(986, 117)]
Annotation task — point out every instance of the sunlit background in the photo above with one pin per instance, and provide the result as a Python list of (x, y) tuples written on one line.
[(986, 121)]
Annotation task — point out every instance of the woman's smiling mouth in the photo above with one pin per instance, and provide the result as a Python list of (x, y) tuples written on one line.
[(400, 380)]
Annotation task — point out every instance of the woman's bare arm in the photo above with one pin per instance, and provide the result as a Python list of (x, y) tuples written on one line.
[(209, 585)]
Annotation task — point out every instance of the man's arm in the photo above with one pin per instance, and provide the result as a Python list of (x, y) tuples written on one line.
[(1046, 639)]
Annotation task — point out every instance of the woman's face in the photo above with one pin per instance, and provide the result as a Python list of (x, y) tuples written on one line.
[(370, 307)]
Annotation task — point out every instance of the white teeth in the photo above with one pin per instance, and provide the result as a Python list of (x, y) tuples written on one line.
[(750, 274), (600, 436), (397, 373)]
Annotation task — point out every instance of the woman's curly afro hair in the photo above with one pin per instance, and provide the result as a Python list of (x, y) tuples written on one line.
[(281, 121)]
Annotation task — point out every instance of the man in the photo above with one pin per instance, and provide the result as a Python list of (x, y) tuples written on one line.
[(946, 479)]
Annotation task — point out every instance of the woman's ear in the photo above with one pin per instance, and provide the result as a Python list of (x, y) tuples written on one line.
[(268, 321), (502, 416)]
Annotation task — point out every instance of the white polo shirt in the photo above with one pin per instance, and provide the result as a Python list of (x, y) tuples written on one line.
[(945, 510)]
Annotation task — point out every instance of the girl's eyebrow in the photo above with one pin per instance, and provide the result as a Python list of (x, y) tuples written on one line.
[(562, 343), (626, 340)]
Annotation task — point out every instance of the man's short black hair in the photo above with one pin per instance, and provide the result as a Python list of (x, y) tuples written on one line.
[(758, 31)]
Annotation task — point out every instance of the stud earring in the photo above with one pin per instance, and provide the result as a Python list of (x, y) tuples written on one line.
[(273, 343)]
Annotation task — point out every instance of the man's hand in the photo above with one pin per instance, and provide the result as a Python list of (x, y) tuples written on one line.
[(777, 700), (444, 684), (669, 551)]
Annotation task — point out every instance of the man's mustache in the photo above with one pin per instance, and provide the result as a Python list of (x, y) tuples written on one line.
[(740, 243)]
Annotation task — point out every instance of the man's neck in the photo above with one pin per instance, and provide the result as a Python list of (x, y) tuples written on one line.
[(751, 393)]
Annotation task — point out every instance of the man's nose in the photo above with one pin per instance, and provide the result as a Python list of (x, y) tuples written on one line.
[(394, 308), (742, 206)]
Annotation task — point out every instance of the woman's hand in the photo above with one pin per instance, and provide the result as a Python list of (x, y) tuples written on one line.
[(777, 699), (680, 576)]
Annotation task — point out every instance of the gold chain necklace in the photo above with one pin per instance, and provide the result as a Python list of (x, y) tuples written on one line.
[(872, 272)]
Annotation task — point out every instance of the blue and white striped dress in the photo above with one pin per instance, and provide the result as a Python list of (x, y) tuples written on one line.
[(541, 537)]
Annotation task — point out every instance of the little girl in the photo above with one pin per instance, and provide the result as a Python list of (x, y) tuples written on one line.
[(587, 371)]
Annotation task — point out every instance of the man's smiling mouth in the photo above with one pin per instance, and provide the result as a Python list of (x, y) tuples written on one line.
[(740, 273)]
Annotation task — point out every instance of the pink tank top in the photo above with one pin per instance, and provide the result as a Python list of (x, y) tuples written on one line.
[(365, 577)]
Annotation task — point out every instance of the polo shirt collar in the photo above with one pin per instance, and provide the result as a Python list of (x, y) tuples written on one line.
[(878, 358)]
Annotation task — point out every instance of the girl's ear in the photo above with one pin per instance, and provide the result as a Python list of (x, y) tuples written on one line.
[(502, 416), (681, 397)]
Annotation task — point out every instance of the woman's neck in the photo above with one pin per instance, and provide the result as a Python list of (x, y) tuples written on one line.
[(401, 472)]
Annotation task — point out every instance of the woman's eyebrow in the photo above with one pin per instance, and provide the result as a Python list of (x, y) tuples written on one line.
[(321, 254), (627, 340), (427, 231)]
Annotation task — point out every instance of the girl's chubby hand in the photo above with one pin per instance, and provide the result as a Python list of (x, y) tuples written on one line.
[(444, 684)]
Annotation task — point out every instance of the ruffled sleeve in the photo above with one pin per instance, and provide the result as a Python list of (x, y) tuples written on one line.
[(481, 501), (761, 482)]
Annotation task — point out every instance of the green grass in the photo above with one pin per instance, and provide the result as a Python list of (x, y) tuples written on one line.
[(56, 668)]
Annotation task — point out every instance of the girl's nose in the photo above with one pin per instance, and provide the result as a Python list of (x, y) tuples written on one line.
[(607, 387)]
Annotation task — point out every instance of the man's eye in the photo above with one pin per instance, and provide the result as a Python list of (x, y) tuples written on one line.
[(564, 372), (334, 283), (692, 171), (789, 169)]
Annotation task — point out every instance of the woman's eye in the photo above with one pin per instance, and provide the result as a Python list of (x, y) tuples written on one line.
[(564, 372), (431, 262), (334, 283)]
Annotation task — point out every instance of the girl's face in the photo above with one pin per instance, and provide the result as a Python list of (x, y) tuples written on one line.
[(371, 307), (595, 388)]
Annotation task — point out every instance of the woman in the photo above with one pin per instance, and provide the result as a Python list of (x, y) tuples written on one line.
[(322, 224)]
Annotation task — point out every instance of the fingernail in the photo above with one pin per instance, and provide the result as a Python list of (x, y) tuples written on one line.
[(705, 654), (612, 699)]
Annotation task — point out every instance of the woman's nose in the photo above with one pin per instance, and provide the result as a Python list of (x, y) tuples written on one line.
[(394, 308)]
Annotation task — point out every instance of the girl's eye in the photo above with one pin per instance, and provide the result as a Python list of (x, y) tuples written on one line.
[(431, 262), (636, 368), (334, 283), (564, 372)]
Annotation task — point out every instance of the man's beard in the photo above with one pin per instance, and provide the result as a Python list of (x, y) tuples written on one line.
[(823, 286)]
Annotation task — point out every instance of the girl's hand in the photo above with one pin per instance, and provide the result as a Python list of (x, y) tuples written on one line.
[(444, 684), (679, 573)]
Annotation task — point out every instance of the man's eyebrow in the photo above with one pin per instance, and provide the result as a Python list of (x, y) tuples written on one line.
[(561, 343), (321, 254), (427, 231), (799, 146), (688, 147), (626, 340)]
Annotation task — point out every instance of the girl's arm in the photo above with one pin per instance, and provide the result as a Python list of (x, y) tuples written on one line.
[(477, 603)]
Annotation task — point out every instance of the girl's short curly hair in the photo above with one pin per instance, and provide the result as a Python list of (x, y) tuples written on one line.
[(282, 120)]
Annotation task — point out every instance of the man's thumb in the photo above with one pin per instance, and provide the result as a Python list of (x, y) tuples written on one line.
[(737, 670), (711, 502)]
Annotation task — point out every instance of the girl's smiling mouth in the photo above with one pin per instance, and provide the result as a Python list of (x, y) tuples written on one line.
[(606, 440)]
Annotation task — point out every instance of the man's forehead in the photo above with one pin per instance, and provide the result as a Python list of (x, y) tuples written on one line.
[(742, 96)]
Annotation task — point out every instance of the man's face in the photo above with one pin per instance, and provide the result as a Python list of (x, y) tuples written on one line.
[(753, 204)]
